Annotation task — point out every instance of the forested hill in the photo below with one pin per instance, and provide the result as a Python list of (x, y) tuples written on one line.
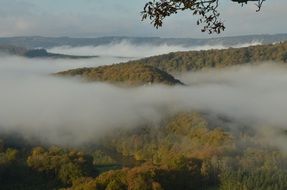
[(156, 69), (133, 75), (195, 60)]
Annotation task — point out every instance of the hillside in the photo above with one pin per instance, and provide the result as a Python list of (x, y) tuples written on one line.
[(124, 74), (155, 69), (196, 60)]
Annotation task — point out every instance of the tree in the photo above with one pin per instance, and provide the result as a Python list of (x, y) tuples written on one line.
[(158, 10)]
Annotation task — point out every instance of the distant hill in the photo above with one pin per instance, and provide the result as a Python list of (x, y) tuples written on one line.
[(133, 75), (49, 42), (34, 53), (195, 60), (13, 50)]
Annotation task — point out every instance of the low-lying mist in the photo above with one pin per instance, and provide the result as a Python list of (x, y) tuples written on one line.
[(128, 49), (14, 66), (69, 111)]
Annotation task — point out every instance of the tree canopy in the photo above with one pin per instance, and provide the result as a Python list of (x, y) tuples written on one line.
[(207, 10)]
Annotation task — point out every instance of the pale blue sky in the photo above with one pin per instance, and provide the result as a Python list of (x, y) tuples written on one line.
[(89, 18)]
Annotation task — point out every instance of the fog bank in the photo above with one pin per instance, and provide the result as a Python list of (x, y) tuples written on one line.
[(127, 49), (13, 66), (65, 111)]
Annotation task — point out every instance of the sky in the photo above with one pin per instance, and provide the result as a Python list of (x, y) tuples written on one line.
[(95, 18)]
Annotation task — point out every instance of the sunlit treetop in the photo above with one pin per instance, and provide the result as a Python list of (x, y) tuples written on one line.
[(206, 10)]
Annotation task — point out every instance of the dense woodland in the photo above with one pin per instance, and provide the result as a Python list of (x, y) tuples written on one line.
[(185, 151)]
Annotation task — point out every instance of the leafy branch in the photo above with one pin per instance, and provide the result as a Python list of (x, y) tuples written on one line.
[(209, 17)]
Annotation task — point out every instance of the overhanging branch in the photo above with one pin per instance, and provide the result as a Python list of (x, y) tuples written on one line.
[(209, 17)]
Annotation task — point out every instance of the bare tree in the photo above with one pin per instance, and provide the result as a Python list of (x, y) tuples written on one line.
[(209, 17)]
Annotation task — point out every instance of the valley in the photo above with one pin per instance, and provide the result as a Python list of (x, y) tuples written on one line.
[(207, 119)]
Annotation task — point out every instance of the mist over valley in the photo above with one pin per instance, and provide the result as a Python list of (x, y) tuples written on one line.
[(207, 113)]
